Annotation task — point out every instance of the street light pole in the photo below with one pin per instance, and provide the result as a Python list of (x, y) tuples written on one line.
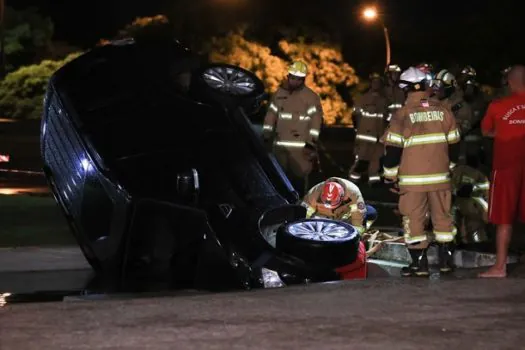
[(387, 42), (370, 14)]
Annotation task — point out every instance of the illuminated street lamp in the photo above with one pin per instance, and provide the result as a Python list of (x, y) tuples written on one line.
[(370, 14)]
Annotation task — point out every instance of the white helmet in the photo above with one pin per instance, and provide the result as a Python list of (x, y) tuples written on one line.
[(413, 79), (446, 78)]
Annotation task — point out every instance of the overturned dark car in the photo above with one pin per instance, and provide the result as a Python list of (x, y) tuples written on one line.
[(150, 153)]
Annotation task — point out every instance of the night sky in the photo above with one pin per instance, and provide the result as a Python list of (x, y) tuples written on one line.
[(486, 34)]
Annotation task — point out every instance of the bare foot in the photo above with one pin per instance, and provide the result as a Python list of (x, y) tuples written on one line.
[(494, 272)]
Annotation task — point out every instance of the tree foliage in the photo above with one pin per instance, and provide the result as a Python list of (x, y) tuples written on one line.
[(250, 55), (22, 91), (27, 36), (327, 70), (155, 27)]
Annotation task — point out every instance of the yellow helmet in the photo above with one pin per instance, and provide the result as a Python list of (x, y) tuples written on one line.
[(375, 76), (298, 69)]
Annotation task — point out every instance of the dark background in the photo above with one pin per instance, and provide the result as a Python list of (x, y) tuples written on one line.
[(487, 34)]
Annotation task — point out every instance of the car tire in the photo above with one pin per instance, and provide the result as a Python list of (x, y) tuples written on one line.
[(230, 86), (321, 242)]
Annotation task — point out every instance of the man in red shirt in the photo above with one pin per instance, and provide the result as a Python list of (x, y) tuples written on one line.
[(505, 121)]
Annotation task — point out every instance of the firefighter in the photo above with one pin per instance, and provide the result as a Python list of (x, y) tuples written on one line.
[(292, 125), (470, 211), (503, 90), (468, 73), (370, 119), (339, 199), (476, 152), (421, 146), (447, 91), (394, 94)]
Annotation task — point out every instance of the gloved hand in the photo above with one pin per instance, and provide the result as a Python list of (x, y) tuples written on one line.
[(465, 191), (392, 185), (310, 152)]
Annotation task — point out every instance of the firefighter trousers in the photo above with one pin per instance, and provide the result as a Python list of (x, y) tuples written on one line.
[(416, 207), (367, 160), (296, 166)]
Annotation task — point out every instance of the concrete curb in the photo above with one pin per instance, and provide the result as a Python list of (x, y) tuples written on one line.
[(397, 252)]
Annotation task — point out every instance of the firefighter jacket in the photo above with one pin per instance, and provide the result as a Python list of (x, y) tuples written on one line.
[(479, 106), (419, 136), (462, 111), (371, 111), (463, 175), (352, 209), (396, 99), (294, 118)]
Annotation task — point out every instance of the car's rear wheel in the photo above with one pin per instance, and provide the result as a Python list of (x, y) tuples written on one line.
[(230, 85), (322, 242)]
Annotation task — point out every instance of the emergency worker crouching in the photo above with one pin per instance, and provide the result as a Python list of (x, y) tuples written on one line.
[(470, 209), (421, 146), (446, 90), (370, 119), (341, 200), (394, 94), (292, 124)]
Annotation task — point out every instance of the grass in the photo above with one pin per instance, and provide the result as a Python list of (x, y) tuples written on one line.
[(32, 221)]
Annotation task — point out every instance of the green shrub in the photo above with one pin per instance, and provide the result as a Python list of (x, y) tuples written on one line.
[(22, 91)]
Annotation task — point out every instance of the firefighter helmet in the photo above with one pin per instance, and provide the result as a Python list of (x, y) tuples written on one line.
[(425, 67), (298, 69), (375, 76), (469, 71), (393, 68), (445, 78), (332, 194), (506, 71), (413, 79)]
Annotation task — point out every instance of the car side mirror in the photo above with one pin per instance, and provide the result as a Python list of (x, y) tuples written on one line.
[(188, 185)]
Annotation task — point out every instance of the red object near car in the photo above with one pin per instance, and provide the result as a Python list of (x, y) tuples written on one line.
[(357, 269), (4, 158)]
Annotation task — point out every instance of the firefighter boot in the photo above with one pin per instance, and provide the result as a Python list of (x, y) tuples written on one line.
[(446, 258), (419, 265)]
